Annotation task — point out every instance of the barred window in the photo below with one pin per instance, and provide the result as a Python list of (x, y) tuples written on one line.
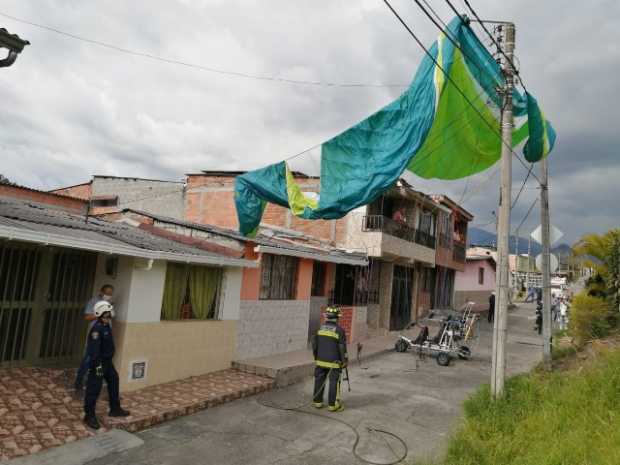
[(278, 277)]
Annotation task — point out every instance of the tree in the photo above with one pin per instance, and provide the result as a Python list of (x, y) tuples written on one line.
[(4, 180), (602, 251)]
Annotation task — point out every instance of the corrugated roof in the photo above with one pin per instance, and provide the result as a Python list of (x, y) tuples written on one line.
[(279, 239), (37, 221)]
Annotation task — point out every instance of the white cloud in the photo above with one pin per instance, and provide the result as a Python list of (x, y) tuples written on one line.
[(71, 109)]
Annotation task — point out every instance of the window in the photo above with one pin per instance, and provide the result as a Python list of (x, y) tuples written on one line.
[(318, 279), (191, 292), (481, 276), (104, 201), (278, 277)]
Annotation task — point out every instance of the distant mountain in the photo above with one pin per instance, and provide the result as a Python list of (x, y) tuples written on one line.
[(481, 237)]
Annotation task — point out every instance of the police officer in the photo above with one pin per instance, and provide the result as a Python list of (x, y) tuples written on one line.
[(100, 350), (329, 347)]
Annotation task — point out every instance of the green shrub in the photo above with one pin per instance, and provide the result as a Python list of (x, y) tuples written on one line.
[(559, 418), (589, 318)]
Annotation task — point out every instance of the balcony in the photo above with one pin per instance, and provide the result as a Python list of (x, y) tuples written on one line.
[(380, 223), (459, 253)]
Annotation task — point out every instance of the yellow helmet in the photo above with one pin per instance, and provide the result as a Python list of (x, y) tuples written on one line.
[(332, 313)]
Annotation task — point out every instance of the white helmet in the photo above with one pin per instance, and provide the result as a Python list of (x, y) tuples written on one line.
[(102, 307)]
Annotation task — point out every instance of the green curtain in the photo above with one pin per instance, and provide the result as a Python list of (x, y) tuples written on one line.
[(204, 283), (174, 291)]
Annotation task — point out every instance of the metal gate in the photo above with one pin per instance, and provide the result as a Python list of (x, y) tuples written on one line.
[(18, 275), (42, 294), (402, 284)]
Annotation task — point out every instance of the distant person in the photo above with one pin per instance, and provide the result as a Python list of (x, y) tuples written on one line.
[(530, 295), (105, 294), (399, 216), (491, 315)]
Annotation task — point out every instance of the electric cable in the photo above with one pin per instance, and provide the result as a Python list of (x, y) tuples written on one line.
[(299, 408), (499, 48), (451, 80), (514, 202), (527, 214), (209, 69)]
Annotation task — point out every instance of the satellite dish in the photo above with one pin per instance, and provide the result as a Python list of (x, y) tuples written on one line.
[(553, 263)]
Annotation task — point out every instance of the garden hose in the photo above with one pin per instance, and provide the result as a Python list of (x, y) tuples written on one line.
[(299, 408)]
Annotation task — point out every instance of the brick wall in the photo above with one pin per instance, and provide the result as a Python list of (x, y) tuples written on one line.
[(268, 327), (61, 202), (81, 191), (353, 321), (210, 200)]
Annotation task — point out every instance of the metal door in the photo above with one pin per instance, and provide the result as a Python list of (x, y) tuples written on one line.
[(42, 295), (402, 286), (69, 289), (18, 275)]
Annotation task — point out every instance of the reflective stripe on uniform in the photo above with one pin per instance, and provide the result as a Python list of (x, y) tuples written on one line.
[(328, 333), (322, 364)]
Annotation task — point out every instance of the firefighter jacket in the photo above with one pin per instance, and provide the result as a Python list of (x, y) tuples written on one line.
[(329, 346)]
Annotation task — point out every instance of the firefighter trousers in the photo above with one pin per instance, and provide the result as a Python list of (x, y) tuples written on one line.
[(320, 380)]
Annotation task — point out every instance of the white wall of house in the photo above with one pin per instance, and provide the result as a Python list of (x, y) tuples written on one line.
[(171, 349), (231, 293)]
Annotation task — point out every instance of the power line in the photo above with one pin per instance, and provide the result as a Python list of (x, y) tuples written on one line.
[(527, 214), (499, 48), (514, 202), (209, 69)]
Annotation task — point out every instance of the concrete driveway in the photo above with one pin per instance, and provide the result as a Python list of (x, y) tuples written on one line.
[(418, 400)]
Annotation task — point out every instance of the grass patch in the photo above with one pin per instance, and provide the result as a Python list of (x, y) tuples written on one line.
[(559, 418)]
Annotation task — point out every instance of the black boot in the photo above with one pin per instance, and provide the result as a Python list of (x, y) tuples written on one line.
[(92, 422), (119, 412)]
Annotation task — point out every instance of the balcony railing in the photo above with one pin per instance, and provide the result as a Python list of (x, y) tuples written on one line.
[(458, 253), (396, 229)]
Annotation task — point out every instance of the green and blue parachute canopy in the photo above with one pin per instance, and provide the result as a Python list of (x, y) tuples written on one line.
[(440, 127)]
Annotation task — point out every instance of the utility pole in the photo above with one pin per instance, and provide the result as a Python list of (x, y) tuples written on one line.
[(498, 363), (546, 251)]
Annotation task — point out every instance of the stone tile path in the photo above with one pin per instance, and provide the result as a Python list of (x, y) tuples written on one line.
[(38, 411)]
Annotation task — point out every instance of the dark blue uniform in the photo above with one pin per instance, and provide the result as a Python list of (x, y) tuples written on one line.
[(330, 354), (100, 350)]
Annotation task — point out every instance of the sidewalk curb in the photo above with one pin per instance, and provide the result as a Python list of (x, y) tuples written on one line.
[(83, 451)]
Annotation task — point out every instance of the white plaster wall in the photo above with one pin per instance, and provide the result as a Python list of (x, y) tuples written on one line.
[(121, 283), (231, 293), (268, 327), (147, 292)]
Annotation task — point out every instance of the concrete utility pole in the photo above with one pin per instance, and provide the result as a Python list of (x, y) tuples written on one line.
[(498, 364), (546, 261)]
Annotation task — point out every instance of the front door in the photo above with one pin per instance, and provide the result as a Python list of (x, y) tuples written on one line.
[(402, 290), (42, 295)]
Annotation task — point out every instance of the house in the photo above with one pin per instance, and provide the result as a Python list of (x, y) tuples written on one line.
[(452, 222), (280, 301), (477, 281), (396, 231), (177, 305), (299, 274)]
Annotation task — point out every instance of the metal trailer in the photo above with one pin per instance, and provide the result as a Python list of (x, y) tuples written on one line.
[(449, 343)]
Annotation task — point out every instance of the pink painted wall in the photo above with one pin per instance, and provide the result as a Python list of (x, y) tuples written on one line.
[(304, 279), (468, 280)]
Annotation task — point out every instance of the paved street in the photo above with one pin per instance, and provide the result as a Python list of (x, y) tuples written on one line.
[(420, 403)]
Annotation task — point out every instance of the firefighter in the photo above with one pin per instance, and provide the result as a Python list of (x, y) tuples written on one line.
[(329, 347), (100, 350)]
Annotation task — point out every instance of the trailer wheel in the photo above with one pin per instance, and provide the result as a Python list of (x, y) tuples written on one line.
[(443, 359), (401, 346), (464, 353)]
